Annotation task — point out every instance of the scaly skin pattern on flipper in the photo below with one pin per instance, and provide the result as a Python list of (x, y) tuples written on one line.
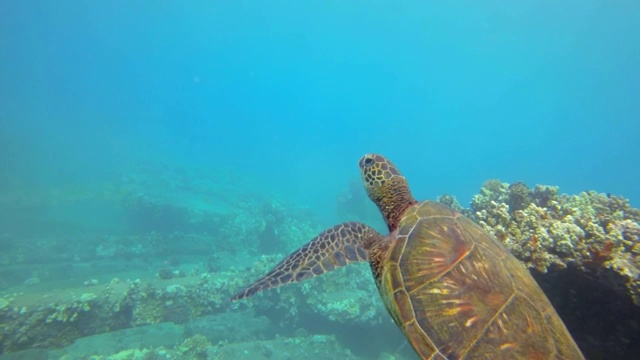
[(335, 247)]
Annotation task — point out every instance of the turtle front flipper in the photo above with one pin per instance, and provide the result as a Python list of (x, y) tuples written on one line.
[(333, 248)]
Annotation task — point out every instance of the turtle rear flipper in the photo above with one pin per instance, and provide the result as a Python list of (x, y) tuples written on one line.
[(333, 248)]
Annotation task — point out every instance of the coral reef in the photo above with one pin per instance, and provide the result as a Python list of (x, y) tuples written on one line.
[(451, 202), (309, 347), (491, 190), (519, 196), (165, 274), (198, 347), (178, 312), (347, 295), (591, 231), (212, 337), (195, 346), (56, 319)]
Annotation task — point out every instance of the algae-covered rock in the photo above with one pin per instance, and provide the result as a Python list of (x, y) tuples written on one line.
[(3, 303), (307, 347), (345, 295), (196, 345), (131, 354)]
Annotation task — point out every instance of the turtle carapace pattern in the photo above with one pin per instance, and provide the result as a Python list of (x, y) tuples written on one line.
[(453, 290)]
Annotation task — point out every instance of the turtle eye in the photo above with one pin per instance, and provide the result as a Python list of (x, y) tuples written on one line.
[(368, 162)]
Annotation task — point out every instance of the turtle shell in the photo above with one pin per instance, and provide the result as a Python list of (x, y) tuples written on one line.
[(458, 293)]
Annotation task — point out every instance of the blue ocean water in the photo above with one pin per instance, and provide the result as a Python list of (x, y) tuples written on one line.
[(294, 93), (290, 94)]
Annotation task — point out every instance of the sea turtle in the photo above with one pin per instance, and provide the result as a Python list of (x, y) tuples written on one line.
[(453, 290)]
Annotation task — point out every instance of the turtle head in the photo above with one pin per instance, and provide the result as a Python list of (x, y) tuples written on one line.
[(386, 187)]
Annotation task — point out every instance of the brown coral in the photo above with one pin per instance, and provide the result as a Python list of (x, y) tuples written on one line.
[(602, 254), (519, 197)]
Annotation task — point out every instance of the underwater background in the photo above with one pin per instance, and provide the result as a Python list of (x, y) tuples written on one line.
[(157, 156)]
